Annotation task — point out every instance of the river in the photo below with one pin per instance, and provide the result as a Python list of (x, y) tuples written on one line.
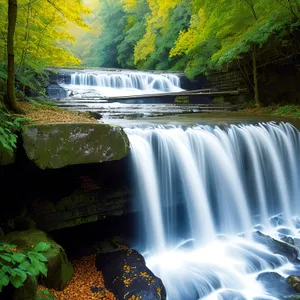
[(213, 190)]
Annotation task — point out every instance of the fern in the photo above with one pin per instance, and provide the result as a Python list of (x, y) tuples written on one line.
[(9, 125)]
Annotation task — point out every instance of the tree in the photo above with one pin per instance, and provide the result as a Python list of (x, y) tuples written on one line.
[(11, 101), (37, 40)]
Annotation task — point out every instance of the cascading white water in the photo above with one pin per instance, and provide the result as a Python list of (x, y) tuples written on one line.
[(202, 183), (123, 83)]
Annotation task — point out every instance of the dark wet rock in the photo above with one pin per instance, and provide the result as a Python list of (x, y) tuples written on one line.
[(275, 284), (276, 246), (294, 281), (81, 207), (60, 270), (52, 146), (126, 275), (288, 240), (56, 91), (94, 115)]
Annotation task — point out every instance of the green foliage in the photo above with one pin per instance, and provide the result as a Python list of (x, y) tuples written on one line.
[(103, 49), (182, 99), (9, 125), (45, 294), (219, 100), (196, 36), (16, 266)]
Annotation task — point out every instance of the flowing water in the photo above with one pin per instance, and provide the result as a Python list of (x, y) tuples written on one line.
[(113, 84), (203, 191)]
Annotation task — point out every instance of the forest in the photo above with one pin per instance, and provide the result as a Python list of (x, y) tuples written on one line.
[(194, 36)]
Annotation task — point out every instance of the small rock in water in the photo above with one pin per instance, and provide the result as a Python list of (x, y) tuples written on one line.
[(275, 284), (276, 246), (294, 281)]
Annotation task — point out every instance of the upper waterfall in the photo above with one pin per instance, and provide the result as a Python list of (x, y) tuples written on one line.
[(123, 83)]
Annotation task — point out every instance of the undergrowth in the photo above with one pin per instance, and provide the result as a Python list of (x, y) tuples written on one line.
[(9, 125), (292, 111)]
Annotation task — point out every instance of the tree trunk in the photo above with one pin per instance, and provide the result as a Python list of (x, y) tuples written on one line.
[(11, 101), (255, 82)]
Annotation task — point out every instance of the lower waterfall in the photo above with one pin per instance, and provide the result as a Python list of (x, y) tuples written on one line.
[(204, 191)]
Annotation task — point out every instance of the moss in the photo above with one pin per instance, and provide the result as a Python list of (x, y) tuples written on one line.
[(182, 99)]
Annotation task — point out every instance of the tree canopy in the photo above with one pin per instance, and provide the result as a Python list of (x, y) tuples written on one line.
[(41, 36), (194, 36)]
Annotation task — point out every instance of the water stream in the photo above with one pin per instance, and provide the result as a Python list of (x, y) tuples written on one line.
[(204, 190)]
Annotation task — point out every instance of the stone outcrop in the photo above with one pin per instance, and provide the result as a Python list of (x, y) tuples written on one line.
[(52, 146), (80, 208)]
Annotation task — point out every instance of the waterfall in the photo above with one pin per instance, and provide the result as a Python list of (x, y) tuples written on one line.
[(201, 191), (124, 83)]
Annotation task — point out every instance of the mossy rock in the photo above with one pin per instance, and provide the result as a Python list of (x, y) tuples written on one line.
[(53, 146), (60, 270), (294, 281)]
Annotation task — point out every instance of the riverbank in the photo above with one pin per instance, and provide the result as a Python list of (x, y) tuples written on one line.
[(44, 113), (289, 111)]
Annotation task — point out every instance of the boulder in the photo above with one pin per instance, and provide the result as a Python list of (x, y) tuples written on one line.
[(60, 270), (52, 146), (294, 281), (126, 275)]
